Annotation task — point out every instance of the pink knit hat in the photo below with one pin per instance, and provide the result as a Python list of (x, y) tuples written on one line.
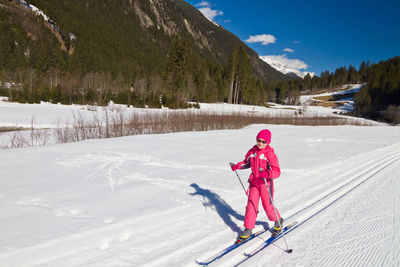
[(264, 134)]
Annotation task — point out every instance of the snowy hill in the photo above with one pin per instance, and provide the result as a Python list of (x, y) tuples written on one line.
[(171, 199), (287, 66), (342, 99)]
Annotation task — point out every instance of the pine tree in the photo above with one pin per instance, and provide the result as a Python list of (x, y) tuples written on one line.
[(246, 88), (362, 101)]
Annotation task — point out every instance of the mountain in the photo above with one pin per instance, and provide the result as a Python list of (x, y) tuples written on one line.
[(130, 37), (286, 66)]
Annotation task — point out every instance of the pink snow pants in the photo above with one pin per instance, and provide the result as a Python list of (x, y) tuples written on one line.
[(257, 191)]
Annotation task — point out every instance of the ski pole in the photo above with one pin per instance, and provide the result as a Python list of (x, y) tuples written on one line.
[(239, 178), (279, 221)]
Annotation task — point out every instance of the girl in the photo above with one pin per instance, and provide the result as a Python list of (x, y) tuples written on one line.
[(264, 168)]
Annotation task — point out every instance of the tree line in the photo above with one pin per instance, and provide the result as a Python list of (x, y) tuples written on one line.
[(380, 97), (137, 72), (188, 77)]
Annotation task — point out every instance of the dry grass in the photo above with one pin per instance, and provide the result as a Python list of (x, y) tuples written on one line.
[(329, 104), (120, 124), (117, 124), (26, 138), (324, 98), (11, 129)]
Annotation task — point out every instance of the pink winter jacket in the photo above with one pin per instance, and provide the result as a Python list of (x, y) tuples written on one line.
[(258, 160)]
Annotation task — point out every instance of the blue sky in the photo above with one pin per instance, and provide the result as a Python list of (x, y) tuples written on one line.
[(313, 35)]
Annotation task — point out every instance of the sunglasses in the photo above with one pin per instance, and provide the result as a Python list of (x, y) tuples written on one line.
[(261, 141)]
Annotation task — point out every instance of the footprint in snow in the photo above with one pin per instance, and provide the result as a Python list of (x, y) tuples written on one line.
[(29, 202), (105, 244), (109, 220), (59, 212), (125, 236)]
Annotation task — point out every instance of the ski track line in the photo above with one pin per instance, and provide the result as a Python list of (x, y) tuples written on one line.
[(368, 237), (348, 182), (367, 167), (338, 256), (352, 173), (367, 158), (178, 252), (336, 195), (368, 241)]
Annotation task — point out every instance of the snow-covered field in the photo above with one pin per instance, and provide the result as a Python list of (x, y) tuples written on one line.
[(171, 199), (347, 105)]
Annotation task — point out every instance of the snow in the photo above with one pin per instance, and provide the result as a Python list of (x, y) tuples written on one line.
[(171, 199), (285, 65), (38, 12), (346, 89)]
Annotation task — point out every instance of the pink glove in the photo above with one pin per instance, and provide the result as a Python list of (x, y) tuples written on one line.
[(265, 174), (235, 167)]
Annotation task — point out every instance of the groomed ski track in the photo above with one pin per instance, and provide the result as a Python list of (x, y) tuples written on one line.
[(328, 205), (331, 216), (360, 241)]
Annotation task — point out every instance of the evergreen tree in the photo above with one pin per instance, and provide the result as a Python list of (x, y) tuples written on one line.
[(363, 71), (177, 74), (362, 101), (247, 87), (353, 75)]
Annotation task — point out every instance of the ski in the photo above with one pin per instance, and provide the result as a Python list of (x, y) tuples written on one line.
[(225, 251), (270, 240)]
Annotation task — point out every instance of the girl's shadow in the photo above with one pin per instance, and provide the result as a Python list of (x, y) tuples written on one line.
[(223, 209)]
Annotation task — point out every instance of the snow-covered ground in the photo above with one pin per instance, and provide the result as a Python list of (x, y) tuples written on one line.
[(347, 105), (171, 199)]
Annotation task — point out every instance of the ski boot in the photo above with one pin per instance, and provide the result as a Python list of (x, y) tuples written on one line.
[(246, 234), (277, 228)]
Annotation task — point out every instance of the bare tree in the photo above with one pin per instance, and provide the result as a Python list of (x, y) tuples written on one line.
[(31, 76), (70, 85)]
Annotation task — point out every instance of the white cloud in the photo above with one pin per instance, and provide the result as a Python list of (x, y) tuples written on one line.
[(207, 11), (296, 42), (264, 39), (204, 3), (210, 13), (288, 50)]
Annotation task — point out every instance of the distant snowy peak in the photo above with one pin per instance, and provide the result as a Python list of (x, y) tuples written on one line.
[(287, 66)]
